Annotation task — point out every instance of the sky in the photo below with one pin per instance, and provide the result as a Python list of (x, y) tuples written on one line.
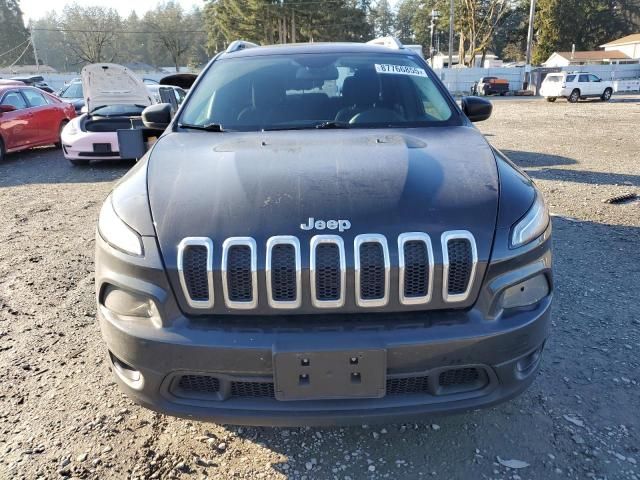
[(35, 9)]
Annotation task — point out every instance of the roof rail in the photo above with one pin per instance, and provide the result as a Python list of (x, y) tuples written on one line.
[(238, 45), (389, 42)]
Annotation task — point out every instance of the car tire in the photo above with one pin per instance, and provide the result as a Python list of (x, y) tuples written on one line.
[(63, 124), (574, 97), (550, 99), (3, 152), (78, 163), (606, 95)]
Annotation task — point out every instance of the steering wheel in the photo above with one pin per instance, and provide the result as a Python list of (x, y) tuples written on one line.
[(376, 115)]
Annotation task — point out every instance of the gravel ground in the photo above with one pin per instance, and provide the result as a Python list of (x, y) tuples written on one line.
[(62, 416)]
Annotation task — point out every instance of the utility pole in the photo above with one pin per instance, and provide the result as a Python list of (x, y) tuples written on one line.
[(527, 66), (435, 15), (451, 34), (35, 51)]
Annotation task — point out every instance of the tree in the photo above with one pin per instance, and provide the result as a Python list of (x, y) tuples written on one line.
[(91, 33), (173, 30), (49, 39), (478, 21), (13, 34), (560, 24), (405, 13), (382, 19)]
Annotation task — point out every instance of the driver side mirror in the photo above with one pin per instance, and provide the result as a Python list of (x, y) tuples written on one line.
[(7, 108), (157, 117), (476, 109)]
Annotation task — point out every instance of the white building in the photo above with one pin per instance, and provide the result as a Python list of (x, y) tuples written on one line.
[(588, 57), (441, 60), (629, 45)]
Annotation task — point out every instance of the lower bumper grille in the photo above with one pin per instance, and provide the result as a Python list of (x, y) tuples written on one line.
[(455, 380)]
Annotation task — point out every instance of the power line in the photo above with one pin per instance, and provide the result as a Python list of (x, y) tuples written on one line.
[(14, 48)]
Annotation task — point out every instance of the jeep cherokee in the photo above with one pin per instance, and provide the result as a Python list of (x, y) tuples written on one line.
[(321, 236)]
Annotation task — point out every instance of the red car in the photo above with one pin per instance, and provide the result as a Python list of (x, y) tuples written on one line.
[(30, 117)]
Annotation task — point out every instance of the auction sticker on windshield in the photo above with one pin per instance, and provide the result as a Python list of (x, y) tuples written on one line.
[(400, 70)]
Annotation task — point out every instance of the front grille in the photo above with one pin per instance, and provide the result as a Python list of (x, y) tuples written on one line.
[(199, 384), (239, 274), (372, 270), (370, 286), (328, 273), (239, 263), (451, 381), (461, 258), (416, 269), (403, 386), (195, 272), (459, 265), (252, 389), (283, 273), (459, 376)]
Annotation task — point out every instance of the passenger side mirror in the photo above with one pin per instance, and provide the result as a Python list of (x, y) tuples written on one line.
[(157, 117), (476, 109), (7, 108)]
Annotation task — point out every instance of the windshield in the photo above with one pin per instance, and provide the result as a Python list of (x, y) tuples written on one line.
[(118, 110), (72, 91), (280, 92)]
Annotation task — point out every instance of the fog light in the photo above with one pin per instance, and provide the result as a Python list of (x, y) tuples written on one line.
[(526, 293), (126, 372), (129, 304)]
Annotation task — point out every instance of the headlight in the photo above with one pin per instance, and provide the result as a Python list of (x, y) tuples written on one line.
[(70, 129), (117, 233), (532, 225)]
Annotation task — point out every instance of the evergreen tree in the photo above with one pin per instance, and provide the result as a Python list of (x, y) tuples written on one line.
[(13, 33)]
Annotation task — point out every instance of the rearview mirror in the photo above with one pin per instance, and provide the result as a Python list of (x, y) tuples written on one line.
[(476, 109), (157, 117), (7, 108)]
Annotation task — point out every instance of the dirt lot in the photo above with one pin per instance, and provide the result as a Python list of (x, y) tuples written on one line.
[(62, 416)]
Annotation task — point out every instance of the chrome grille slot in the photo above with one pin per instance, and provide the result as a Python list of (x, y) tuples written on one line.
[(371, 254), (283, 272), (195, 269), (460, 259), (415, 258), (239, 272), (327, 271)]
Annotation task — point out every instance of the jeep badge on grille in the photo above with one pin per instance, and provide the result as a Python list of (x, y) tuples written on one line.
[(340, 225)]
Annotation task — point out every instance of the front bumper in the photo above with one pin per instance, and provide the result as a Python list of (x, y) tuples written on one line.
[(507, 351), (230, 361), (81, 145)]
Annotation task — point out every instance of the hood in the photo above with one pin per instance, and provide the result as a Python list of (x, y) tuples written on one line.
[(111, 84), (222, 185)]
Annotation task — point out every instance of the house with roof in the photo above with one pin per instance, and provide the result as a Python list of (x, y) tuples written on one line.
[(621, 51), (629, 45)]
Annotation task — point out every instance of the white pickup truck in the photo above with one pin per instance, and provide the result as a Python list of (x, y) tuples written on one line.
[(575, 86)]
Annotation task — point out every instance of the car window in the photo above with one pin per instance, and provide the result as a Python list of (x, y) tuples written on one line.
[(570, 78), (74, 90), (553, 78), (593, 78), (583, 78), (304, 90), (15, 99), (36, 99), (118, 111)]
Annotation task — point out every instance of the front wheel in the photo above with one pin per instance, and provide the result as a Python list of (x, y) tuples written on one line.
[(550, 99), (63, 124), (575, 96), (606, 95), (78, 163)]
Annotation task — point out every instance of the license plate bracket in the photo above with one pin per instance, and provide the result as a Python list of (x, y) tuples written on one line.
[(102, 147), (330, 374)]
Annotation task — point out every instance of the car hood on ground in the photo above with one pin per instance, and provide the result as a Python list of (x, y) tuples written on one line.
[(221, 185), (111, 84)]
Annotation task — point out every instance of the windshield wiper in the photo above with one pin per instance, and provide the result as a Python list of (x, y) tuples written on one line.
[(207, 127), (332, 124)]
